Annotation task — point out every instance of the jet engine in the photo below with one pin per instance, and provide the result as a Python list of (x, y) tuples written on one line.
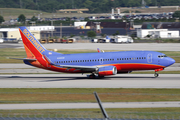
[(107, 70)]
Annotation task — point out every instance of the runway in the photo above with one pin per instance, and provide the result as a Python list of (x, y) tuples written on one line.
[(81, 81), (89, 105), (104, 46)]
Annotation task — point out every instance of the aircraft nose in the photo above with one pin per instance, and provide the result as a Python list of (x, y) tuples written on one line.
[(171, 61)]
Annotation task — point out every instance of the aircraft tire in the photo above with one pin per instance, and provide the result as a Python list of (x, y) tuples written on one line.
[(156, 75)]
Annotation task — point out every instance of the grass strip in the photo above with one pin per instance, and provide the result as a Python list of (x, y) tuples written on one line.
[(59, 95), (124, 113)]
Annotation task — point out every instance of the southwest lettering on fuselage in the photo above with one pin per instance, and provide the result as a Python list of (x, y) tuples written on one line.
[(35, 43)]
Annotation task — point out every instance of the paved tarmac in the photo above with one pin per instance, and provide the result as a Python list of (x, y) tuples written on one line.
[(89, 105), (81, 81), (105, 46)]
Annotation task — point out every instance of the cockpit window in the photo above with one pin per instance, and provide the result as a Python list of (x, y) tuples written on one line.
[(161, 56)]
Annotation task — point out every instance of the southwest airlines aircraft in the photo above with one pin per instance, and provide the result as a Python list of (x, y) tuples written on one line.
[(99, 64)]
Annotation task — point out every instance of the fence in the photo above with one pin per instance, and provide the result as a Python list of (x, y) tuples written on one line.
[(86, 115)]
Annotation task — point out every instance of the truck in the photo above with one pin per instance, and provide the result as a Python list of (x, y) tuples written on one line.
[(123, 39), (101, 40), (69, 40), (1, 40)]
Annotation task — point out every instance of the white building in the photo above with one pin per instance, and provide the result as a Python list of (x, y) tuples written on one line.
[(80, 24), (13, 34), (157, 33)]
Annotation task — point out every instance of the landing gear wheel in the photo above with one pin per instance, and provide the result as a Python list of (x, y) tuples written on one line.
[(92, 76), (156, 75)]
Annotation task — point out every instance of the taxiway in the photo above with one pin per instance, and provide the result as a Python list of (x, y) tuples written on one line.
[(81, 81)]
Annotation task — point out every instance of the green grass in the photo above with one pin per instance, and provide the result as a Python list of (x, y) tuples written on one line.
[(53, 95), (13, 13), (135, 113), (20, 53)]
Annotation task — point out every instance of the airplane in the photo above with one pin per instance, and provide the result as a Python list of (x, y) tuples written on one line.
[(98, 64)]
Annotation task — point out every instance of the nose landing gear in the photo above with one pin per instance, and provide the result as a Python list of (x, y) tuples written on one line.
[(156, 70), (156, 74)]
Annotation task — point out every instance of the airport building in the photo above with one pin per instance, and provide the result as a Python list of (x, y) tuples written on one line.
[(157, 33), (13, 34)]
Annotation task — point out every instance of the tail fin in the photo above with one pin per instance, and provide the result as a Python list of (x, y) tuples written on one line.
[(32, 46), (107, 37)]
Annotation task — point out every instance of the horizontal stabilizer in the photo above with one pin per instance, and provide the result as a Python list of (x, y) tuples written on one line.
[(30, 59)]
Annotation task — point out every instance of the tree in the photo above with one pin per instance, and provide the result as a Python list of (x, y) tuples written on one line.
[(91, 34), (21, 18), (1, 19), (176, 14), (34, 18)]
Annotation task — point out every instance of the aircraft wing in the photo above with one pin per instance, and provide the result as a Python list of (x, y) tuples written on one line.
[(30, 59), (77, 67)]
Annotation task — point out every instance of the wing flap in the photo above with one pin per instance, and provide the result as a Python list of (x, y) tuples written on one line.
[(77, 67)]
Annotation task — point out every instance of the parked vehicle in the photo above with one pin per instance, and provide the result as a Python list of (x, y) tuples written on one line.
[(1, 40), (101, 40), (123, 39), (69, 40), (94, 40)]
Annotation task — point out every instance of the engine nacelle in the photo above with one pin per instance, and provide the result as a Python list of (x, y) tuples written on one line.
[(107, 70)]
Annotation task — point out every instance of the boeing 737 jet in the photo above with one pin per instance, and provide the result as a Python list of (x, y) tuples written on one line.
[(98, 64)]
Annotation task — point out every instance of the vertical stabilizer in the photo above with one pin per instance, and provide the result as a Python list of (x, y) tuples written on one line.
[(32, 46)]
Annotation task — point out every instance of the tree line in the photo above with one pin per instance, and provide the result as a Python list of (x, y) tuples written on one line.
[(95, 6)]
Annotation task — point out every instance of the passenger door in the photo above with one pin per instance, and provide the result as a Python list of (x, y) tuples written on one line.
[(149, 58)]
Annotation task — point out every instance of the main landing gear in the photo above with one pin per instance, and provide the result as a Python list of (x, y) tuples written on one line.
[(93, 76)]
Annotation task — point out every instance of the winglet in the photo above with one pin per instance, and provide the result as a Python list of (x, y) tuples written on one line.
[(98, 50)]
